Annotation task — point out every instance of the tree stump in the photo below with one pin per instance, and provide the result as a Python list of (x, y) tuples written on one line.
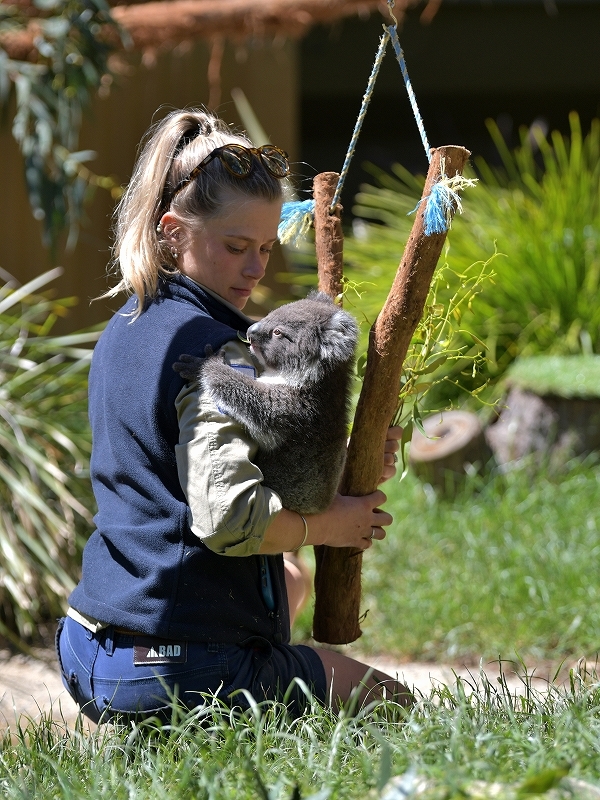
[(549, 426), (551, 410), (454, 447)]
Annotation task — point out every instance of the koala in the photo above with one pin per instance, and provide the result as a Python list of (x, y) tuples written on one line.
[(297, 411)]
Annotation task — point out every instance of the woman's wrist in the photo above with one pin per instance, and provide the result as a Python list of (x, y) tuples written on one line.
[(303, 542), (288, 531)]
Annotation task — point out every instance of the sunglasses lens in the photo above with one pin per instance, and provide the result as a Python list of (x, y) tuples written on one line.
[(275, 161), (237, 160)]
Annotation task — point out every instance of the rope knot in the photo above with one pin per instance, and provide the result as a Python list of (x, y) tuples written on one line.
[(443, 201), (296, 219)]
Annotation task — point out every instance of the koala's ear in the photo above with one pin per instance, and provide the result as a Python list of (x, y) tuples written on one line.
[(339, 338), (320, 297)]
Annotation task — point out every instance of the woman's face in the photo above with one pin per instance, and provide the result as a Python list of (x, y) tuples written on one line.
[(228, 252)]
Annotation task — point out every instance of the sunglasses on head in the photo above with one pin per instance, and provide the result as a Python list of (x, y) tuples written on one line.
[(238, 161)]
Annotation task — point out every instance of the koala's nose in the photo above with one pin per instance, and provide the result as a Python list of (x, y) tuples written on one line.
[(250, 330)]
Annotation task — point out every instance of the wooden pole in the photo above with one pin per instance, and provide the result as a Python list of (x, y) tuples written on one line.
[(329, 237), (337, 577)]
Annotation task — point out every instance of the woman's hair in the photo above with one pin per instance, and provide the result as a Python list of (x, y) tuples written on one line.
[(169, 152)]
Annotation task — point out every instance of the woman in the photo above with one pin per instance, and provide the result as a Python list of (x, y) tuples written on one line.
[(183, 587)]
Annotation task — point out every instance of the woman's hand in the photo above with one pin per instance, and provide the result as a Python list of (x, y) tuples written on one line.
[(348, 522), (351, 521), (390, 459)]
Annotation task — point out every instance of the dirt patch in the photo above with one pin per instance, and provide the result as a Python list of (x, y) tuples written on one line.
[(32, 687)]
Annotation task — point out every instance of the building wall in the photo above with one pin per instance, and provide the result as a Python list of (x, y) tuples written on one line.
[(113, 127)]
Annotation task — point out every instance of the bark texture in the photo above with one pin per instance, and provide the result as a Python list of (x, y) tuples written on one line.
[(329, 237), (337, 578)]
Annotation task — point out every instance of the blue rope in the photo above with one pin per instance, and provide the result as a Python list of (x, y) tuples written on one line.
[(411, 95), (363, 112), (296, 217), (443, 200), (439, 205)]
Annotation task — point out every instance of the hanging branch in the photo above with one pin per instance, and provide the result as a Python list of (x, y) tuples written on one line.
[(167, 23), (337, 577)]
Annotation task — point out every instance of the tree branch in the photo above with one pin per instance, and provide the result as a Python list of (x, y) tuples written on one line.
[(337, 579)]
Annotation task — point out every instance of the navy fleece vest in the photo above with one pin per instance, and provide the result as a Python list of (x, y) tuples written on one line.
[(143, 568)]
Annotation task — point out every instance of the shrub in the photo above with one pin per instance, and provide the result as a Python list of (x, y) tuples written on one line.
[(45, 497), (541, 211)]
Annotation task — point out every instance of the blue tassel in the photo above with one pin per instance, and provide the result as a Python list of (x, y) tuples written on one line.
[(296, 219), (442, 202)]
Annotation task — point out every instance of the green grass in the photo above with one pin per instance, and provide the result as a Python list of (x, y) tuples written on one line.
[(512, 746), (505, 568), (561, 376), (511, 569)]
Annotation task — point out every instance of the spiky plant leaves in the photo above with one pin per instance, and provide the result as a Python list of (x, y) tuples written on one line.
[(46, 503)]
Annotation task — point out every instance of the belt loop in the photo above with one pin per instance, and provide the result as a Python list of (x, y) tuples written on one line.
[(109, 646)]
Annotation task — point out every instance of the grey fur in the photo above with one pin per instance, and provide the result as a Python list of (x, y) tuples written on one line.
[(300, 422)]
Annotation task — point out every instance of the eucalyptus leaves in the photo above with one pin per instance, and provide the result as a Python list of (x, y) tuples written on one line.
[(71, 45)]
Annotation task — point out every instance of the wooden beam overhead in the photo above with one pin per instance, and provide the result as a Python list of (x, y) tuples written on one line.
[(167, 23)]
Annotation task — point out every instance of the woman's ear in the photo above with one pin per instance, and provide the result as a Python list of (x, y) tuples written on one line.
[(170, 227)]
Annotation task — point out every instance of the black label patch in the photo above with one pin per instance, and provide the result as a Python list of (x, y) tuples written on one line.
[(150, 650)]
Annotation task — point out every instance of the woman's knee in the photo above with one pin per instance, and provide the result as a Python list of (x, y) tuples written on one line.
[(351, 680), (298, 582)]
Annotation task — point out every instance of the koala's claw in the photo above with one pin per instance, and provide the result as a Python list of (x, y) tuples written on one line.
[(188, 366)]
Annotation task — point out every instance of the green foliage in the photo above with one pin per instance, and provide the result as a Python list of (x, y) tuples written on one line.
[(51, 95), (45, 498), (436, 348), (541, 212)]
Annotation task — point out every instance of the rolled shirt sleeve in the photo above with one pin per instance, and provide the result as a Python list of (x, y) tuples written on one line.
[(230, 508)]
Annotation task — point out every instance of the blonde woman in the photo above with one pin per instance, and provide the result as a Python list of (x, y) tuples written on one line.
[(183, 587)]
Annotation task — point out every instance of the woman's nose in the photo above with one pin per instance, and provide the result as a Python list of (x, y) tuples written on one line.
[(255, 266)]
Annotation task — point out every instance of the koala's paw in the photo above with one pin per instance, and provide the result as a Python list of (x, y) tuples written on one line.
[(189, 367)]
